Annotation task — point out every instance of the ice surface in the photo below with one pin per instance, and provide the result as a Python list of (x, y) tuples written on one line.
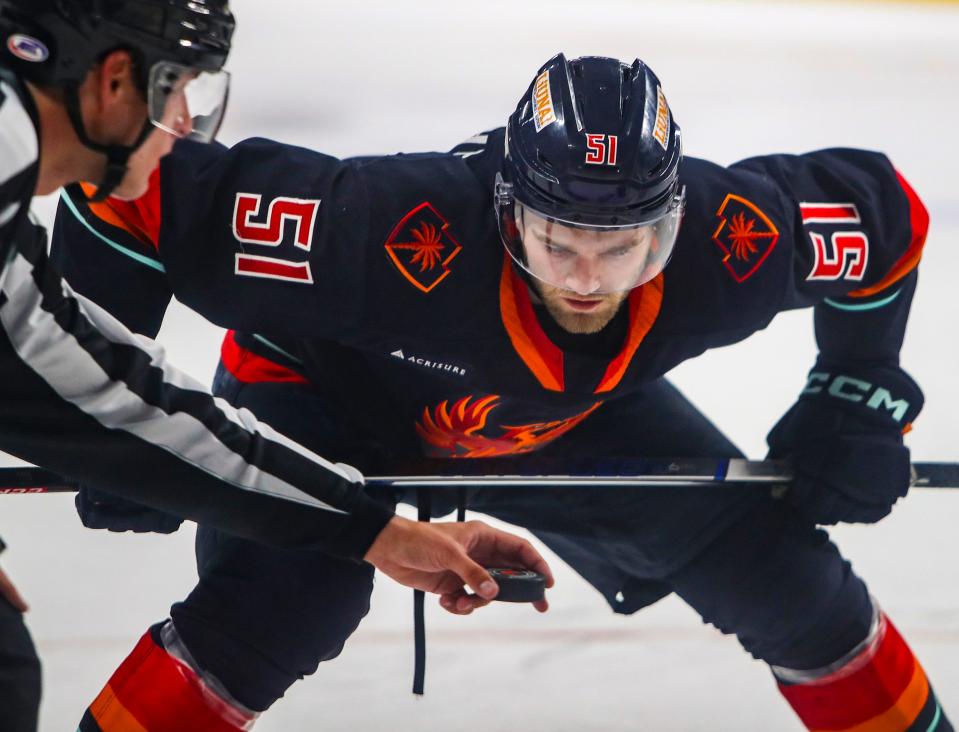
[(742, 78)]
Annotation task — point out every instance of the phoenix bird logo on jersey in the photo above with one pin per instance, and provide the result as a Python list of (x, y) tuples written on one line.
[(421, 246), (745, 235), (457, 431)]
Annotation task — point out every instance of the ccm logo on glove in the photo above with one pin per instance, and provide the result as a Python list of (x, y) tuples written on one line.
[(857, 391)]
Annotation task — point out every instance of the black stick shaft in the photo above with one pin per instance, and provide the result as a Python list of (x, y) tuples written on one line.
[(543, 473)]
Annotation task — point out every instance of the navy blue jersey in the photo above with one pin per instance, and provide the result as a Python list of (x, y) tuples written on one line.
[(81, 395), (383, 281)]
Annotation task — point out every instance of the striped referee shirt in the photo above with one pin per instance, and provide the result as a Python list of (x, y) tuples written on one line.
[(83, 396)]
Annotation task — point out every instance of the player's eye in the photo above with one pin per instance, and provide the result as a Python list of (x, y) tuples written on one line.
[(557, 251)]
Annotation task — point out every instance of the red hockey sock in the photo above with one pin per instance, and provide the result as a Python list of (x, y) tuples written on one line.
[(154, 691), (880, 687)]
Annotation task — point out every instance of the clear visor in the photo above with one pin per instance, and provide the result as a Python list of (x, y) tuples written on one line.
[(589, 260), (186, 102)]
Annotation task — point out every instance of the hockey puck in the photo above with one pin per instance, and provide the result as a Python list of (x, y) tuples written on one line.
[(518, 585)]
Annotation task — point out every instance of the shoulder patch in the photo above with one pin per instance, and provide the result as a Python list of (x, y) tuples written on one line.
[(422, 247), (745, 236)]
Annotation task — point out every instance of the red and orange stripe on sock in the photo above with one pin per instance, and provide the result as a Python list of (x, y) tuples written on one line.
[(882, 689), (153, 692)]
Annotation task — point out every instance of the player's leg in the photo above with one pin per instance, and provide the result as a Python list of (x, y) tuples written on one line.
[(635, 546), (782, 587), (623, 540), (258, 619), (255, 623), (19, 673)]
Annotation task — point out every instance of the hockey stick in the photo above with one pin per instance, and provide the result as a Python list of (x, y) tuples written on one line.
[(540, 472)]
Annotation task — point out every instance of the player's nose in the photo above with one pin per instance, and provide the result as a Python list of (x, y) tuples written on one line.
[(584, 277)]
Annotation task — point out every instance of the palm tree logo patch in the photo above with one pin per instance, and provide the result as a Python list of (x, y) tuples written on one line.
[(745, 236), (422, 247)]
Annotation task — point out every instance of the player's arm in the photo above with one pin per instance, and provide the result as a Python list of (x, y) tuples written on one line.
[(110, 256), (83, 396), (262, 237), (439, 558), (242, 266), (857, 237), (858, 230)]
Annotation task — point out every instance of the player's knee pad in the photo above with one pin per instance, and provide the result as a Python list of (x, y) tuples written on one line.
[(160, 688), (878, 685)]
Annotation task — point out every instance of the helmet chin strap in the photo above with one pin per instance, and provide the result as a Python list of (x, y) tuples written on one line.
[(118, 156)]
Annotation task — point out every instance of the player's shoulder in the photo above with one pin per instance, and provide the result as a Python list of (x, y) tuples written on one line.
[(742, 240), (732, 260), (483, 152), (838, 163), (478, 157), (255, 158), (453, 190)]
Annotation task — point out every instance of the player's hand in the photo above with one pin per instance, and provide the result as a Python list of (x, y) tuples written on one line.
[(9, 592), (448, 558), (846, 448)]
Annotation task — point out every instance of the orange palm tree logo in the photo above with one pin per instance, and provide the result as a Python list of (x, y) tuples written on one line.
[(745, 236), (422, 247), (428, 246), (742, 233)]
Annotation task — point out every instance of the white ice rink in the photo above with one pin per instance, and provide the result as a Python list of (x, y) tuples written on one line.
[(742, 78)]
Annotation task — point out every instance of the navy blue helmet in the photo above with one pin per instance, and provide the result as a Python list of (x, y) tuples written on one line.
[(591, 176)]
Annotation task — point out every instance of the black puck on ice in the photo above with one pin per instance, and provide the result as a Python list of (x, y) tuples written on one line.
[(518, 585)]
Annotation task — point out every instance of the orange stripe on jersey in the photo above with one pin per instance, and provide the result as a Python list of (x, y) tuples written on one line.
[(140, 218), (644, 305), (152, 691), (538, 352), (919, 220), (251, 368)]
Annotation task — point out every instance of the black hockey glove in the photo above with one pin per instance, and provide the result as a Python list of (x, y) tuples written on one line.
[(844, 440), (100, 510)]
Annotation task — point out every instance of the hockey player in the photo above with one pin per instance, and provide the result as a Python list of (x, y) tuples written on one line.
[(379, 314), (98, 90)]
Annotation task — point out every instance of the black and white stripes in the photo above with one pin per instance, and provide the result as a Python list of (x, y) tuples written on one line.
[(19, 148), (82, 395), (123, 381)]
